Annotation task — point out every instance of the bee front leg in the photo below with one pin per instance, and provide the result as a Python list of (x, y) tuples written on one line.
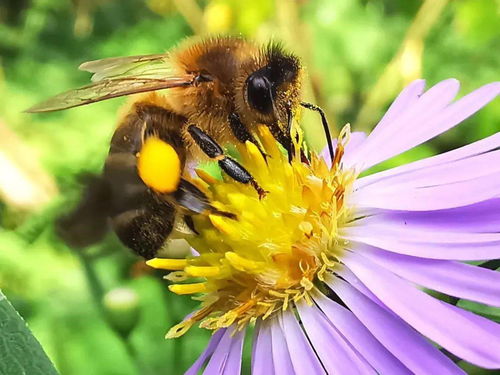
[(234, 169), (241, 132)]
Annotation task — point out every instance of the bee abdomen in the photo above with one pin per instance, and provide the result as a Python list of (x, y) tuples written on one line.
[(144, 230), (87, 224), (139, 219)]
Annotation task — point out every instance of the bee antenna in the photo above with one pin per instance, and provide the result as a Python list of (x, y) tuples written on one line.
[(324, 122)]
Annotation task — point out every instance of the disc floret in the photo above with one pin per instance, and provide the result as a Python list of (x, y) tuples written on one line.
[(276, 249)]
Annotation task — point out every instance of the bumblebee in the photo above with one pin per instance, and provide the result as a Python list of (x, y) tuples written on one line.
[(219, 91)]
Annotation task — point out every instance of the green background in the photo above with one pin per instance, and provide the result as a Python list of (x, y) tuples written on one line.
[(99, 310)]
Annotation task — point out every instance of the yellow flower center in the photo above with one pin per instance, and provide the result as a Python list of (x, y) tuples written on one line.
[(275, 249)]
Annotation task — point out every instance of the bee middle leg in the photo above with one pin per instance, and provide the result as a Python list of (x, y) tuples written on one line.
[(234, 169)]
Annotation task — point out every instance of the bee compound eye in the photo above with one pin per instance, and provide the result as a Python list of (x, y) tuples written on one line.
[(259, 93)]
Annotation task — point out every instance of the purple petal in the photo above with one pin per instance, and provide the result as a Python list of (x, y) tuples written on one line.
[(359, 337), (363, 228), (419, 111), (470, 337), (416, 353), (281, 357), (453, 278), (431, 197), (482, 217), (337, 356), (233, 363), (424, 120), (226, 359), (353, 280), (304, 360), (262, 361), (459, 170), (194, 252), (409, 96), (451, 251), (356, 139), (425, 242), (212, 345), (479, 147)]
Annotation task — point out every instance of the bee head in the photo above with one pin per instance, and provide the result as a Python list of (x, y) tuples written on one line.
[(272, 86)]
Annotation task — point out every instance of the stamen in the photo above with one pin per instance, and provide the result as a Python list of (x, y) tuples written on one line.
[(205, 176), (321, 272), (245, 307), (176, 276), (179, 329), (345, 134), (308, 299), (188, 288), (256, 155), (306, 283), (197, 271), (227, 319), (327, 261), (307, 228), (269, 311), (270, 145), (277, 294), (167, 264), (222, 224), (285, 302), (241, 263)]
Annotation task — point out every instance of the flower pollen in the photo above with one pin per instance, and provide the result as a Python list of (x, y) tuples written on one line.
[(276, 249)]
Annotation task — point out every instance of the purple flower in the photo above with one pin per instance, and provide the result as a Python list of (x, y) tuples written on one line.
[(345, 296)]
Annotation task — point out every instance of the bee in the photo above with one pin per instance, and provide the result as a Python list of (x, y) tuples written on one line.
[(219, 90)]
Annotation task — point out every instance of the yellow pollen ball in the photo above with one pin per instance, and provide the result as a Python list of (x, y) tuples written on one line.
[(159, 165)]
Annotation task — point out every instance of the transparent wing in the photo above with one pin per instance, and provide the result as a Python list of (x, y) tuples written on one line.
[(118, 76), (145, 66), (107, 89)]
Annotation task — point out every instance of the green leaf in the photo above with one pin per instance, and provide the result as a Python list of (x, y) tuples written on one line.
[(20, 352), (489, 312)]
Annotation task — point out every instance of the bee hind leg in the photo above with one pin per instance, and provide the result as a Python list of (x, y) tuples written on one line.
[(234, 169), (145, 229), (195, 201)]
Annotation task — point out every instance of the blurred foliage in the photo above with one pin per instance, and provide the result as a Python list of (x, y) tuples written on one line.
[(74, 301)]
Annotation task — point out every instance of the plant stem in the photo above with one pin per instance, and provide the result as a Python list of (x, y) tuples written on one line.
[(192, 13)]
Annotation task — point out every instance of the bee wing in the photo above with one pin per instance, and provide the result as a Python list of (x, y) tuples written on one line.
[(118, 76), (151, 66)]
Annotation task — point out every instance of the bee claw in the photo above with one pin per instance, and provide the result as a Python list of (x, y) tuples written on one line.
[(262, 193)]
